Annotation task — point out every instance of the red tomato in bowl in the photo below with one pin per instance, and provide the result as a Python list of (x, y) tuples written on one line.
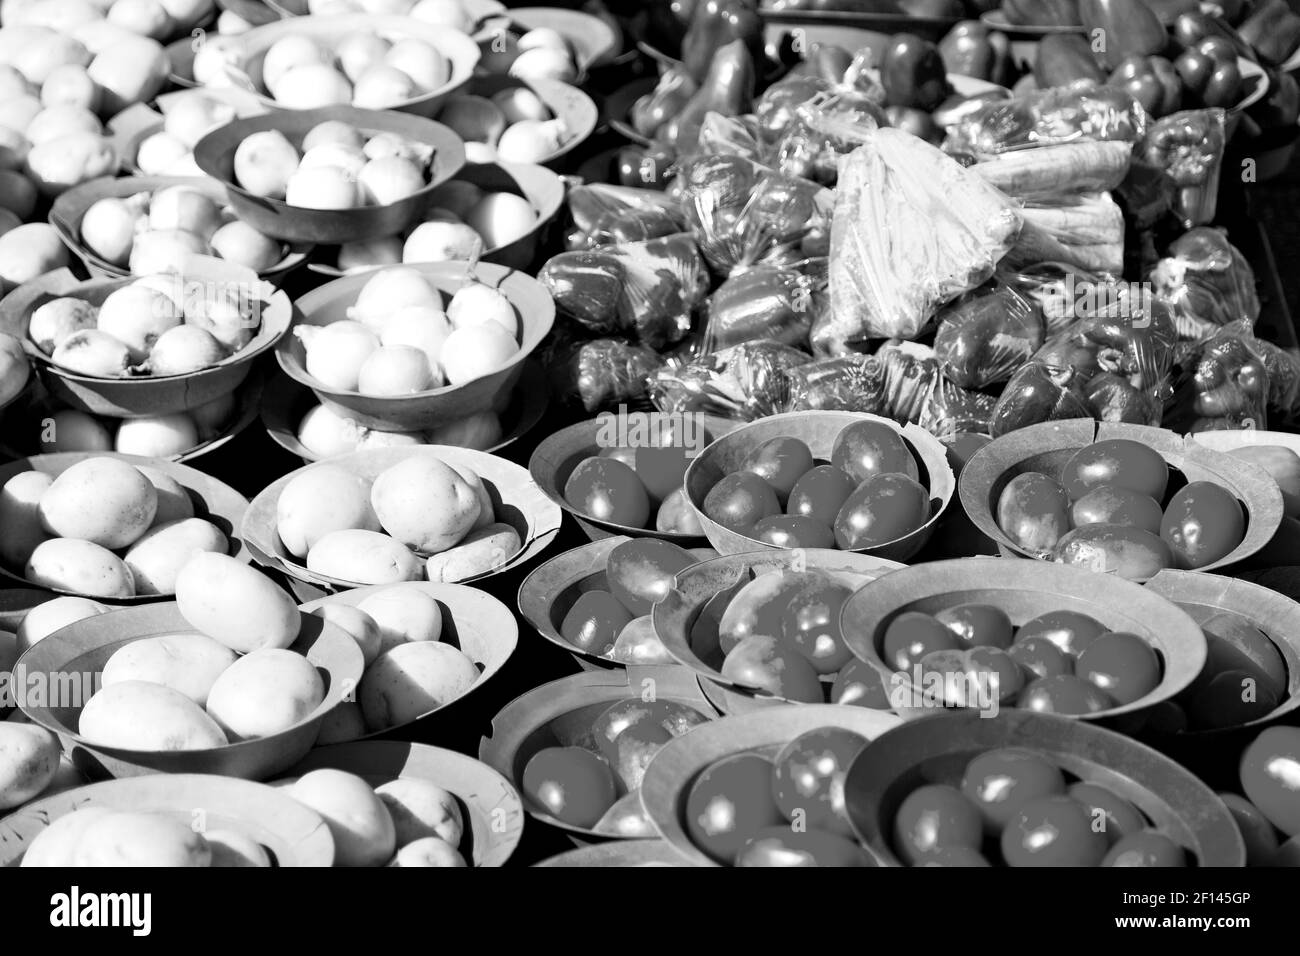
[(1203, 524)]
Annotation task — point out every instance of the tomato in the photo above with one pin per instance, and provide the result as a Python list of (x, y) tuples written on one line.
[(1122, 664), (820, 494), (1119, 462), (865, 449), (1270, 776), (626, 455), (1261, 838), (571, 784), (608, 490), (1070, 631), (1064, 694), (954, 856), (882, 509), (1039, 657), (782, 846), (627, 715), (1129, 553), (1052, 831), (759, 607), (1146, 848), (1110, 504), (793, 531), (740, 500), (633, 749), (1118, 817), (808, 782), (933, 817), (1033, 511), (640, 572), (1000, 781), (912, 635), (996, 670), (1202, 524), (769, 664), (594, 622), (860, 684), (661, 469), (729, 802), (811, 624), (977, 625), (781, 462), (1234, 643), (1229, 699)]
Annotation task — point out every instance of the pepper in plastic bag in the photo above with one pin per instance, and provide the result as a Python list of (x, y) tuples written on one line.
[(744, 382), (1039, 393), (765, 302), (1206, 283), (1188, 147), (600, 372), (1081, 110), (983, 340), (644, 289), (912, 230), (605, 215)]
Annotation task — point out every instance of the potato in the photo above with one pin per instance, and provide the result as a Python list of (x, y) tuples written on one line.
[(429, 851), (103, 500), (44, 619), (20, 517), (128, 838), (235, 604), (320, 500), (362, 829), (231, 849), (29, 757), (55, 845), (57, 165), (486, 514), (480, 552), (157, 558), (364, 557), (188, 663), (138, 715), (421, 808), (424, 503), (68, 564), (174, 502), (265, 692), (360, 625), (342, 724), (411, 680), (403, 614), (128, 72), (29, 251)]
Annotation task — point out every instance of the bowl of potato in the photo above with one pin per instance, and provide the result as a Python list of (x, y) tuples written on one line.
[(446, 809), (154, 345), (426, 646), (332, 174), (549, 42), (467, 16), (231, 678), (112, 527), (154, 821), (391, 515), (514, 120)]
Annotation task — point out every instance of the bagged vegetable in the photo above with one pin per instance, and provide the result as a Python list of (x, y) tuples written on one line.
[(1206, 283), (765, 302), (744, 214), (744, 382), (600, 372), (857, 89), (846, 383), (1062, 114), (912, 230), (1055, 288), (1233, 380), (1048, 172), (605, 215), (823, 130), (1083, 231), (984, 339), (1188, 148), (648, 290), (730, 136), (1038, 393)]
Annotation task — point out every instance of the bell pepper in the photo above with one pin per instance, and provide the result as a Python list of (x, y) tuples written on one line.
[(728, 88), (1127, 27), (1191, 29), (1207, 82), (1280, 108), (1064, 58), (1038, 393), (1152, 81), (1042, 13), (644, 167), (764, 302), (1111, 398), (716, 23), (912, 73), (1188, 146), (1273, 30), (669, 97), (972, 49)]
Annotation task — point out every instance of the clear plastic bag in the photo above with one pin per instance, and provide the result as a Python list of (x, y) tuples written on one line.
[(744, 382), (744, 214), (1056, 288), (731, 136), (824, 130), (846, 383), (888, 276), (1206, 283), (648, 290), (765, 302), (600, 372), (857, 89), (1038, 393), (985, 338), (1188, 147), (1085, 231), (1080, 111), (605, 215)]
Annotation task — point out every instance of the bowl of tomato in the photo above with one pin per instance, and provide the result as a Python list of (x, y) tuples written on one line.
[(729, 793), (991, 634), (576, 748), (1130, 500), (1027, 789), (762, 629)]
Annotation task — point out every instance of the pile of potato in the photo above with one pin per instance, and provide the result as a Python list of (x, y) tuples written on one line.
[(150, 436), (419, 518)]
